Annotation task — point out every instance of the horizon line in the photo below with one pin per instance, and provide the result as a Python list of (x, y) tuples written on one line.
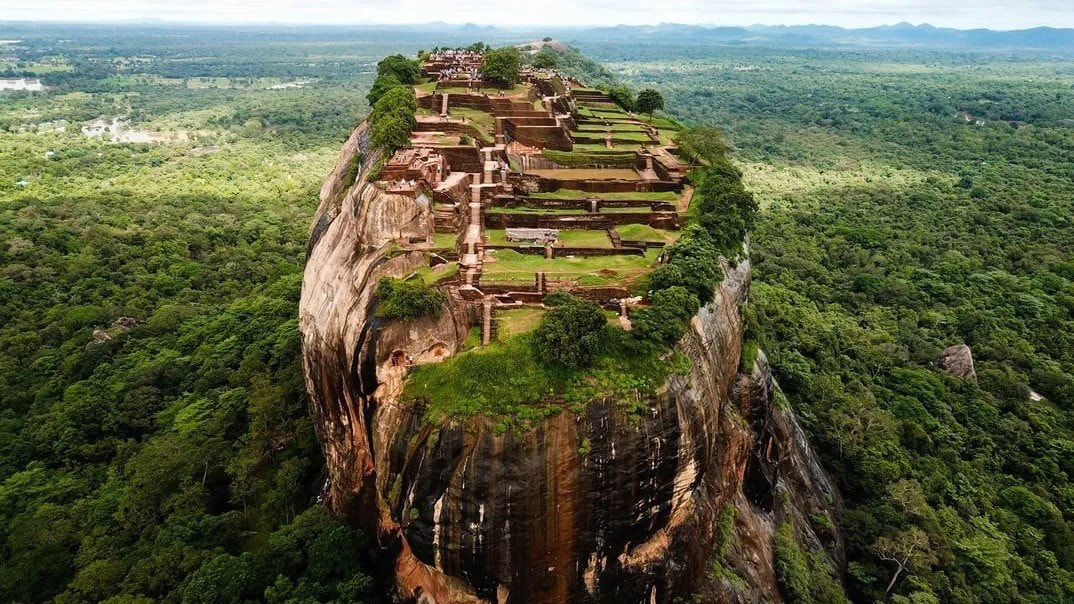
[(506, 26)]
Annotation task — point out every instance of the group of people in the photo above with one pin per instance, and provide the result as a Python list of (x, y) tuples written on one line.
[(449, 73)]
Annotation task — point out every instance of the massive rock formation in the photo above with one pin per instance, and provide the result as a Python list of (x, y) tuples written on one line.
[(602, 506)]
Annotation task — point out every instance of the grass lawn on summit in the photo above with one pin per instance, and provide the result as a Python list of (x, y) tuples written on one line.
[(509, 266), (517, 320), (570, 239), (644, 232)]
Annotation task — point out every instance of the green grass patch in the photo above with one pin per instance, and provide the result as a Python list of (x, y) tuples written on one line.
[(614, 127), (481, 120), (505, 382), (602, 148), (605, 157), (637, 210), (665, 123), (585, 239), (516, 321), (510, 266), (444, 241), (443, 272), (633, 137), (644, 232), (473, 339)]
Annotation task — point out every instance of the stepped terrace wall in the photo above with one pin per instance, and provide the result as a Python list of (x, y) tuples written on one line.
[(534, 183), (548, 137), (585, 222), (455, 128), (580, 203), (559, 252), (463, 158)]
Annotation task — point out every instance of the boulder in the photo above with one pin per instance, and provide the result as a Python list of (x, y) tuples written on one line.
[(958, 361)]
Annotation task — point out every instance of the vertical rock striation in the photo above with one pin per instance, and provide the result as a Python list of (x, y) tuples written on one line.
[(601, 506)]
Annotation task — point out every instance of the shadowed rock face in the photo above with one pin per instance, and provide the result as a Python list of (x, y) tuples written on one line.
[(601, 506), (958, 361)]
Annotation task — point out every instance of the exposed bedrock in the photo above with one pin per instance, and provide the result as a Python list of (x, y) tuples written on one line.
[(603, 506)]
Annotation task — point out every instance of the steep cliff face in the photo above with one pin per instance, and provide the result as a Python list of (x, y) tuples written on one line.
[(600, 506)]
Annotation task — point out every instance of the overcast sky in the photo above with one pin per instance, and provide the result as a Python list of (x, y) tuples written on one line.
[(994, 14)]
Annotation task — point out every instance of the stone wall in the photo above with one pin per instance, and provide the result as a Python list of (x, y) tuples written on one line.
[(550, 137), (582, 222), (532, 183), (463, 158)]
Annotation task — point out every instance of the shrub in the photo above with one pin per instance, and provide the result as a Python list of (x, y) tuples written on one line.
[(407, 299), (694, 265), (557, 298), (570, 334), (623, 96), (750, 349), (664, 321), (792, 567)]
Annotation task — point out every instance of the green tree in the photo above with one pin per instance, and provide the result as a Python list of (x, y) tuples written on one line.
[(392, 119), (380, 87), (705, 143), (649, 101), (223, 579), (545, 59), (501, 66), (407, 71), (570, 334)]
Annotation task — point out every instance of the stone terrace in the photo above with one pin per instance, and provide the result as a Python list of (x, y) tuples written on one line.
[(546, 186)]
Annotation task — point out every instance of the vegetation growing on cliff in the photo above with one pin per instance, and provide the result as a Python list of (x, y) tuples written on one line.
[(392, 118), (915, 200), (408, 298), (507, 383), (392, 72), (571, 333)]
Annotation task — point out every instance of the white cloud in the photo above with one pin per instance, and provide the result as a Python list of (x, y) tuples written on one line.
[(996, 14)]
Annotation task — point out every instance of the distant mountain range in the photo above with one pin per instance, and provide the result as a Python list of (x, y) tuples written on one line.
[(1048, 39), (902, 34), (1038, 39)]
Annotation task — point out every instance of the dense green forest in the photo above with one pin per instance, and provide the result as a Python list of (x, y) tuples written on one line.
[(910, 200)]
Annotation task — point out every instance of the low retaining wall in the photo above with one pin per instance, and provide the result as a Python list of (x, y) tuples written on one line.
[(532, 183), (642, 244), (551, 137), (454, 128), (463, 158), (580, 203), (560, 252), (582, 222)]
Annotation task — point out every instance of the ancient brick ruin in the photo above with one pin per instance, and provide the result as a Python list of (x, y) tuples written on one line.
[(549, 169)]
